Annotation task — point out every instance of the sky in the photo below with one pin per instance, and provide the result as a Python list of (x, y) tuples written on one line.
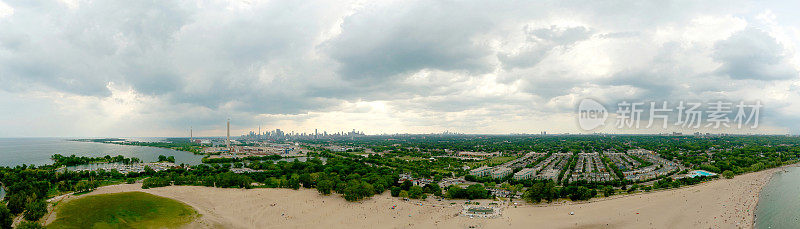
[(77, 68)]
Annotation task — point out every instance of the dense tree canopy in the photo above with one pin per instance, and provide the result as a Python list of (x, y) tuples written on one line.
[(5, 217)]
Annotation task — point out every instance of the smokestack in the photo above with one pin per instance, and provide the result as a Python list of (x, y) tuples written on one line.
[(228, 138)]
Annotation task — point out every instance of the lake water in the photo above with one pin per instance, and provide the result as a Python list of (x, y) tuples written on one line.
[(779, 203), (37, 151)]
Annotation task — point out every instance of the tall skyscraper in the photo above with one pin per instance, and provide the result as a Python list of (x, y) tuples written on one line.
[(191, 137), (228, 138)]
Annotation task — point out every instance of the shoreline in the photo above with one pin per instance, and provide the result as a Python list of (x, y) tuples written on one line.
[(562, 201), (772, 176), (755, 216), (761, 179), (720, 203)]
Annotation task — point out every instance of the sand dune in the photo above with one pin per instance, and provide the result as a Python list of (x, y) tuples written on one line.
[(718, 204)]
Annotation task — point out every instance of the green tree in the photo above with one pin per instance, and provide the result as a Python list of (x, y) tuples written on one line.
[(30, 225), (433, 188), (633, 188), (148, 170), (535, 193), (306, 180), (36, 210), (608, 191), (325, 186), (396, 191), (728, 174), (154, 182), (403, 194), (357, 190), (505, 186), (16, 203), (406, 185), (581, 193), (415, 192), (293, 183), (5, 217)]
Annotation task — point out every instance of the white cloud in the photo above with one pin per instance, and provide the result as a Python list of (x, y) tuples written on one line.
[(71, 4), (155, 68), (5, 10)]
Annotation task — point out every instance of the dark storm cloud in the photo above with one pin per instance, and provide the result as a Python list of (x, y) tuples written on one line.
[(753, 54), (385, 41), (540, 41), (661, 78), (177, 51), (78, 51)]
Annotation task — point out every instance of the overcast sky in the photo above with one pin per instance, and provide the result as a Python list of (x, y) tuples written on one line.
[(157, 67)]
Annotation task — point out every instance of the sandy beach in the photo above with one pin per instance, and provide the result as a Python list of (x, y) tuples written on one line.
[(723, 203)]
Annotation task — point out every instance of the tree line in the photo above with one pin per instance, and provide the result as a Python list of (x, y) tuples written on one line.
[(73, 160)]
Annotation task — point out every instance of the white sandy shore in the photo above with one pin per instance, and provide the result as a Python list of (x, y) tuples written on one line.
[(723, 203)]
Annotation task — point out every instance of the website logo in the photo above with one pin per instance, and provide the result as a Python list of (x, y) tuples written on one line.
[(591, 114)]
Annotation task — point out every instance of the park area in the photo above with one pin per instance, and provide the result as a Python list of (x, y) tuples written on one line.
[(123, 210)]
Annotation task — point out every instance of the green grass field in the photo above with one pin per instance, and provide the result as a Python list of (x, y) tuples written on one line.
[(123, 210)]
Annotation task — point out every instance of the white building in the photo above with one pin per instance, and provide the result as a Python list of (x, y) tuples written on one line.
[(481, 172), (501, 172), (525, 174)]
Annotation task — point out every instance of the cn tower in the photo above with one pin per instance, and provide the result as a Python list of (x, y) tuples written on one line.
[(228, 139)]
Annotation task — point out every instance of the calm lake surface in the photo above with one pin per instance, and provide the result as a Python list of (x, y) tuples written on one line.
[(37, 151), (779, 203)]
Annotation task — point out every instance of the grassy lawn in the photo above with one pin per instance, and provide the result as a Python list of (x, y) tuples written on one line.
[(123, 210)]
